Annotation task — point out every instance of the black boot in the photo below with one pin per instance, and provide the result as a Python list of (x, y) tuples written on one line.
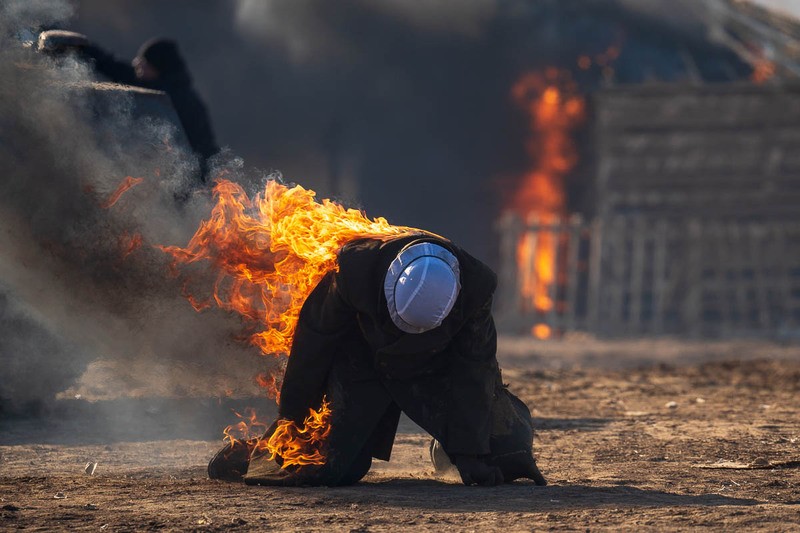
[(231, 462)]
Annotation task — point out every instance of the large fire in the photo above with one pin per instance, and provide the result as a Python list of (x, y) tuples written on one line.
[(554, 108), (269, 252)]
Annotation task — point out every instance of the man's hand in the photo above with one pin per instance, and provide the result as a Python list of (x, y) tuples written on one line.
[(475, 472)]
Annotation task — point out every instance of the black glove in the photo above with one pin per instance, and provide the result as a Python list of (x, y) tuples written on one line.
[(476, 472)]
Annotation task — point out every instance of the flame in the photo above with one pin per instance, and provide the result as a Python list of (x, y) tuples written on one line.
[(126, 184), (269, 252), (555, 109), (293, 445), (541, 331), (300, 446), (129, 243), (270, 383), (763, 71), (246, 430)]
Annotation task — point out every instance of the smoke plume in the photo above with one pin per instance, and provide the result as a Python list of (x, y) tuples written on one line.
[(314, 31), (80, 278)]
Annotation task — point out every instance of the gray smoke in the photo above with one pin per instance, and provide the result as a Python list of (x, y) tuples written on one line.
[(314, 31), (72, 289)]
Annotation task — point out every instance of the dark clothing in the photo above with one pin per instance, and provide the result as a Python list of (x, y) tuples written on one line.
[(177, 83), (163, 54), (444, 379), (364, 421), (447, 380)]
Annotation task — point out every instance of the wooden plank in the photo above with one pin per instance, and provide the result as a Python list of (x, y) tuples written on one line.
[(638, 229), (510, 227), (723, 283), (755, 235), (735, 258), (783, 277), (685, 109), (575, 237), (692, 315), (594, 297), (659, 274), (617, 284), (783, 204)]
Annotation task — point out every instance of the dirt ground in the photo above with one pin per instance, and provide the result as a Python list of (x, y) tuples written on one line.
[(631, 435)]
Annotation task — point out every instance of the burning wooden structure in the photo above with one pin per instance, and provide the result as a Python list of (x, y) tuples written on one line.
[(693, 226)]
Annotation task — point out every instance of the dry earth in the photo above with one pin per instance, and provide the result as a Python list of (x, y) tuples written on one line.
[(638, 435)]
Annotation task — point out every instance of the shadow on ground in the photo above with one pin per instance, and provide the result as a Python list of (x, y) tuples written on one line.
[(515, 497), (579, 424)]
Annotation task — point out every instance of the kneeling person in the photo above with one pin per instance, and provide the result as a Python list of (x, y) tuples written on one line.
[(403, 325)]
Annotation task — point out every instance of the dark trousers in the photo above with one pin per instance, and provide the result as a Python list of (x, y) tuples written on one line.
[(364, 422)]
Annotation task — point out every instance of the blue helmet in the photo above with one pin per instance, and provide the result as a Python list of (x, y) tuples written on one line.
[(421, 286)]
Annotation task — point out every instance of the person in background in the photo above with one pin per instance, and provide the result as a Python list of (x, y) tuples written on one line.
[(158, 65)]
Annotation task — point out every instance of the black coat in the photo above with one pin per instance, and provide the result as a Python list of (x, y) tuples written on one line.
[(189, 107), (445, 379)]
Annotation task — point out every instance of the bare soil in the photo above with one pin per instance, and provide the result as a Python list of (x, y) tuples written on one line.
[(664, 436)]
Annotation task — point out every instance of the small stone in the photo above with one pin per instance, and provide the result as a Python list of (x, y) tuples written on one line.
[(671, 405), (60, 496), (91, 507), (237, 521), (204, 521), (699, 400), (90, 468)]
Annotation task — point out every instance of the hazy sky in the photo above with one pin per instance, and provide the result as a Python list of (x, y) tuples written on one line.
[(790, 6)]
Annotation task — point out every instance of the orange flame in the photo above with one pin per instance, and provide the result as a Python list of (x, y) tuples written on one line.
[(129, 243), (269, 253), (763, 71), (293, 445), (554, 108), (300, 446), (270, 383), (126, 184), (246, 430)]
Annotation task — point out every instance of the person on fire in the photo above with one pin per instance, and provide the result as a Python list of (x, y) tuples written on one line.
[(403, 325)]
